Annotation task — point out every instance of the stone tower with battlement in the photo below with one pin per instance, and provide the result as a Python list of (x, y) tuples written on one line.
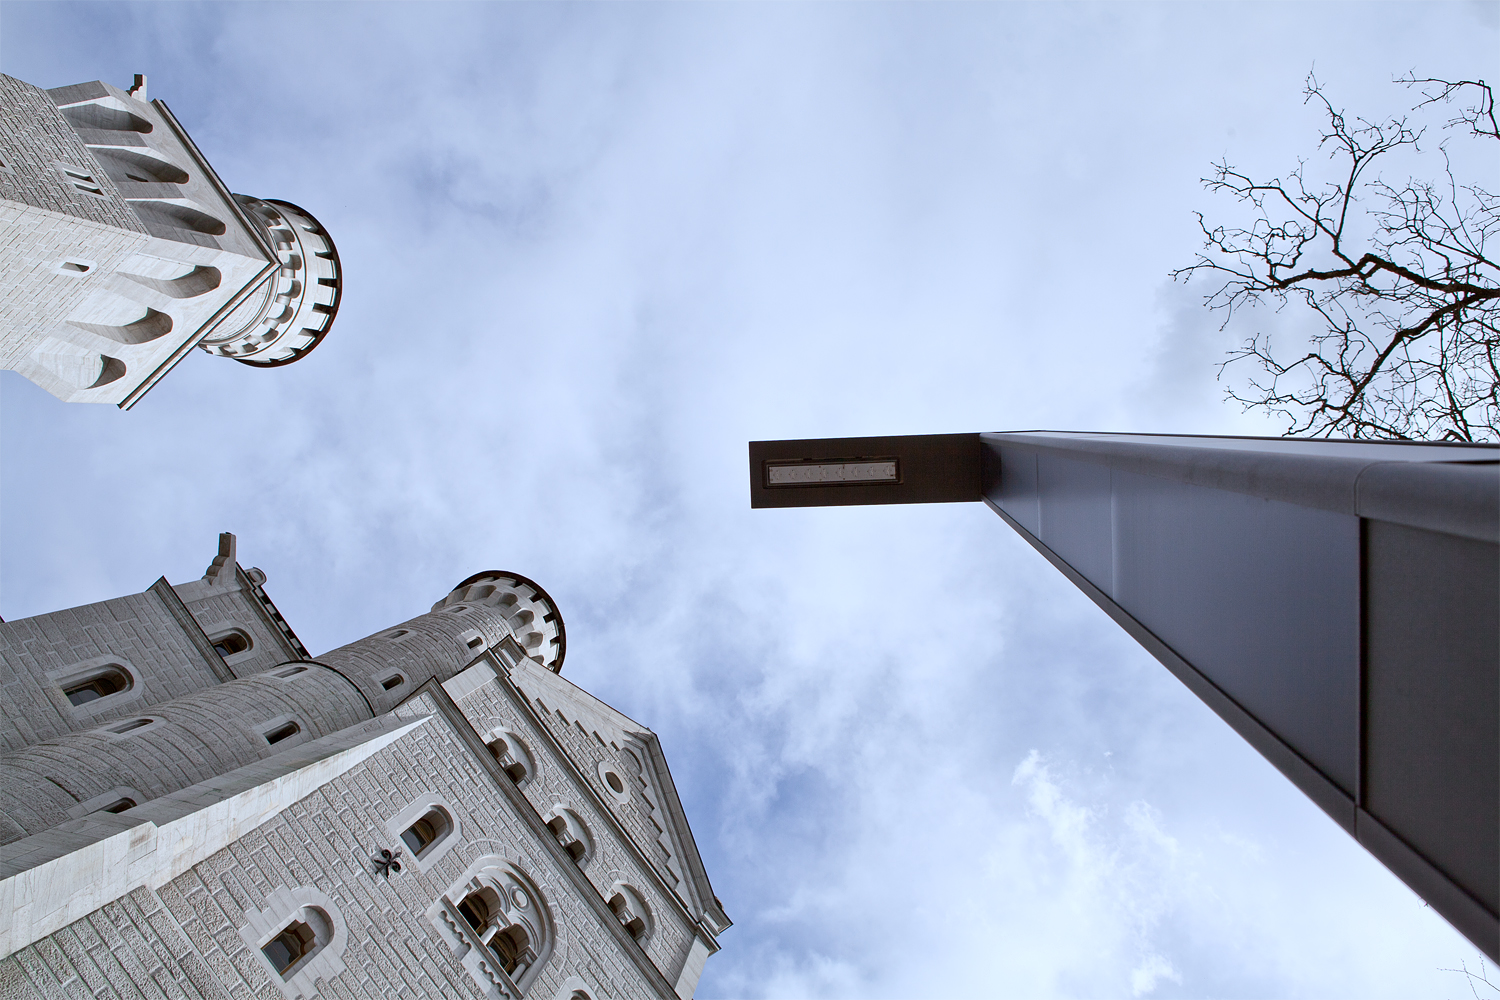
[(193, 806), (121, 249)]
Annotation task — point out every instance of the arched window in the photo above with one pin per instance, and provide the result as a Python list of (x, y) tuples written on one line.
[(486, 915), (291, 946), (631, 910), (227, 644), (304, 936), (513, 756), (100, 683), (428, 827), (500, 912), (301, 937), (571, 833), (426, 832)]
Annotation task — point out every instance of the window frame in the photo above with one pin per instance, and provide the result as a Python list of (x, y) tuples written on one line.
[(62, 678), (415, 810), (265, 729), (283, 907), (238, 630)]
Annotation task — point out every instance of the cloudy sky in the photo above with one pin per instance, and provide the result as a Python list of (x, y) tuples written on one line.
[(590, 252)]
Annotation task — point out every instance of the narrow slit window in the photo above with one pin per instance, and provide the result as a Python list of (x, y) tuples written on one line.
[(81, 180), (125, 727), (119, 806), (476, 642), (392, 682), (73, 265), (96, 686), (290, 672), (284, 731)]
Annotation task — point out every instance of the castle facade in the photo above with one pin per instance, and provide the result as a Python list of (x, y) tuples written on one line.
[(193, 806), (121, 250)]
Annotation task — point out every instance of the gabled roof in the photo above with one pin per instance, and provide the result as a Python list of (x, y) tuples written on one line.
[(683, 865)]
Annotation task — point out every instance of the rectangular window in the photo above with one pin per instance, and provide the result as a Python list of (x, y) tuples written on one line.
[(80, 179), (283, 732)]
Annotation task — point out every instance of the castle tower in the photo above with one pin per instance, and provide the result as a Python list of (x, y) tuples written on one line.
[(187, 795), (121, 249)]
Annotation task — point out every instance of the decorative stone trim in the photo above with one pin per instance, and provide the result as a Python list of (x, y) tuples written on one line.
[(477, 960), (616, 785), (574, 988), (284, 906), (518, 904)]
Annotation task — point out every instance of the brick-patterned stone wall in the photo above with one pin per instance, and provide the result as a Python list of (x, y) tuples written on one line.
[(33, 243), (138, 628), (131, 948), (33, 133), (433, 647), (491, 707), (199, 736), (325, 841), (238, 609)]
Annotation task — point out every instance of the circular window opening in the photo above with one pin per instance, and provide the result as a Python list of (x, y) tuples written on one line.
[(614, 782)]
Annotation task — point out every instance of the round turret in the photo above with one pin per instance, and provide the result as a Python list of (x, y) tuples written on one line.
[(284, 319), (526, 607)]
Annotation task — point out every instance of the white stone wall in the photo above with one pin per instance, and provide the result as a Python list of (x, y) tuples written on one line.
[(138, 628), (199, 736), (434, 646), (219, 609), (33, 135), (491, 707), (325, 841), (189, 937), (131, 948)]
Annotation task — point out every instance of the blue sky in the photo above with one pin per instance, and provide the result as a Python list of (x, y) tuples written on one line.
[(590, 251)]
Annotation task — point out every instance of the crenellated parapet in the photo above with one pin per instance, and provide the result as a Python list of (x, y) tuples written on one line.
[(290, 314), (527, 609)]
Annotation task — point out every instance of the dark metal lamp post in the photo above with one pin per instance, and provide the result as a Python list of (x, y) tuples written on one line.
[(1336, 602)]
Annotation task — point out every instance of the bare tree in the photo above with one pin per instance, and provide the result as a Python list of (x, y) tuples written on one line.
[(1396, 273), (1477, 979)]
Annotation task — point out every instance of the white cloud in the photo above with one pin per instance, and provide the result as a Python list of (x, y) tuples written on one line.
[(591, 251)]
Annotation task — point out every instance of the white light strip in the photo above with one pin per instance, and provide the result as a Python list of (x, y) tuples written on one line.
[(832, 473)]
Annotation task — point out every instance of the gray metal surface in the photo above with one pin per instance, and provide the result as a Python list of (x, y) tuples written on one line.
[(1336, 602)]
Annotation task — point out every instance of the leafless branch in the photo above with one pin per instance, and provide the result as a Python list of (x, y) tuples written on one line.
[(1474, 979), (1397, 275)]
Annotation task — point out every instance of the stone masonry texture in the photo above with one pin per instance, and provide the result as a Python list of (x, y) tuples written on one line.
[(185, 936)]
